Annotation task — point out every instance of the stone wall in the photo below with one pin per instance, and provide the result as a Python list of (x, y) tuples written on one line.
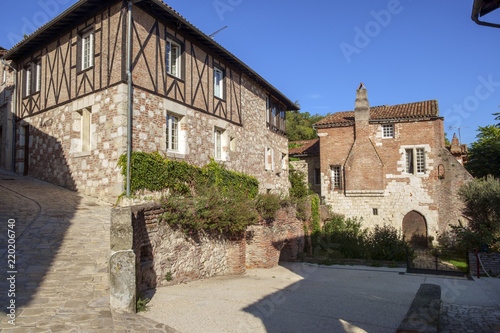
[(307, 165), (490, 261), (166, 255), (269, 242)]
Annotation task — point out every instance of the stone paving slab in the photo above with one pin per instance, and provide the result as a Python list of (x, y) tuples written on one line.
[(61, 263)]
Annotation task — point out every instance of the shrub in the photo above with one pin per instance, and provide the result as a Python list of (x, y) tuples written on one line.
[(299, 188), (267, 205), (386, 243), (211, 210)]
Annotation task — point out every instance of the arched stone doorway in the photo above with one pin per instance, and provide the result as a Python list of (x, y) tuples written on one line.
[(415, 229)]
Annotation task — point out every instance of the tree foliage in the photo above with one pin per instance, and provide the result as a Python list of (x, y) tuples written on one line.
[(482, 211), (484, 154), (299, 125)]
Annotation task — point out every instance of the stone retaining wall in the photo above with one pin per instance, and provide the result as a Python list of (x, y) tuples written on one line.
[(490, 261), (166, 255)]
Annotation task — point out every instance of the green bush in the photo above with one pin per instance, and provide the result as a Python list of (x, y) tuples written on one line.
[(267, 205), (299, 187), (386, 243), (151, 171), (211, 210)]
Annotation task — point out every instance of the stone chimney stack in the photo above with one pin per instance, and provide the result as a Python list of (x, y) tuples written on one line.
[(361, 112)]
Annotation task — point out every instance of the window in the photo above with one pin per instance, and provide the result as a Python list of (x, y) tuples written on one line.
[(4, 75), (172, 132), (409, 161), (173, 54), (38, 76), (317, 176), (87, 50), (388, 131), (375, 211), (268, 105), (413, 163), (218, 83), (420, 160), (85, 129), (269, 159), (283, 161), (218, 143), (336, 177), (27, 81)]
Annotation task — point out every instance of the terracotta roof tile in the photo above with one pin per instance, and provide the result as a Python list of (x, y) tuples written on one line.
[(309, 147), (417, 110)]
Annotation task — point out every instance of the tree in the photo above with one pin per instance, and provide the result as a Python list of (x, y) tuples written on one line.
[(446, 140), (482, 210), (299, 125), (497, 117), (484, 154)]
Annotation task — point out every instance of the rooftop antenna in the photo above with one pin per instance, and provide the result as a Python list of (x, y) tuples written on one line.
[(215, 33)]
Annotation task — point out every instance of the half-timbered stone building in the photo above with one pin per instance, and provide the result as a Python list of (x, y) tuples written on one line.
[(389, 165), (191, 99)]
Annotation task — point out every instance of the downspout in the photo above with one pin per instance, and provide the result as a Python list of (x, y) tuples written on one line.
[(476, 9), (130, 94), (14, 100)]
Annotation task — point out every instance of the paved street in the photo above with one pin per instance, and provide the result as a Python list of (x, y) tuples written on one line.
[(62, 248)]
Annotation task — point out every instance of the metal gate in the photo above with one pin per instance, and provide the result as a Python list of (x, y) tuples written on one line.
[(436, 261)]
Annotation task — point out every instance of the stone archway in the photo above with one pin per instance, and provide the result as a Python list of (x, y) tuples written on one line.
[(415, 229)]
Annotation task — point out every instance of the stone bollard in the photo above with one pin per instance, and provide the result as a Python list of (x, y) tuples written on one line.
[(122, 261)]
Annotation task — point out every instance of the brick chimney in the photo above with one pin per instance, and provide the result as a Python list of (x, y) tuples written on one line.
[(361, 113)]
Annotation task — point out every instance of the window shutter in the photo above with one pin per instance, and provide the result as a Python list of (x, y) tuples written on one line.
[(265, 159), (272, 159)]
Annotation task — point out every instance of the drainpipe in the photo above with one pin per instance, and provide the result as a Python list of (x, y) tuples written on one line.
[(476, 12), (14, 100), (130, 94)]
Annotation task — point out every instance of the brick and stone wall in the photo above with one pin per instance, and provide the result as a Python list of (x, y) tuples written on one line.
[(490, 261), (307, 165), (163, 251), (269, 242), (55, 153)]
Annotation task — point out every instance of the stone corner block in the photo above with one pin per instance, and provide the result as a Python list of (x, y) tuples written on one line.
[(121, 230), (122, 284)]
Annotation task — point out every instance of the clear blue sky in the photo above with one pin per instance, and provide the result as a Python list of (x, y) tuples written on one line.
[(317, 52)]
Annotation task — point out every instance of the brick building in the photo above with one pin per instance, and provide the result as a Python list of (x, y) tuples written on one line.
[(389, 165), (191, 99)]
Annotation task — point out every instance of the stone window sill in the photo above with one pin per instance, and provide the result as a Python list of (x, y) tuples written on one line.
[(82, 154)]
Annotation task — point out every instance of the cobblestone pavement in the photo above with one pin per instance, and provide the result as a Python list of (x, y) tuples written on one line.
[(61, 262), (462, 318)]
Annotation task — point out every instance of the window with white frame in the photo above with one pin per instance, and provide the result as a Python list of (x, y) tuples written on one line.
[(218, 82), (336, 177), (268, 105), (86, 120), (388, 131), (283, 161), (173, 61), (415, 160), (4, 75), (172, 132), (38, 76), (269, 159), (87, 50), (27, 81), (218, 143)]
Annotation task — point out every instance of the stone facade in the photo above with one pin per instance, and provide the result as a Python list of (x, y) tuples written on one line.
[(375, 183), (490, 264), (6, 114), (72, 122), (165, 255), (308, 153)]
